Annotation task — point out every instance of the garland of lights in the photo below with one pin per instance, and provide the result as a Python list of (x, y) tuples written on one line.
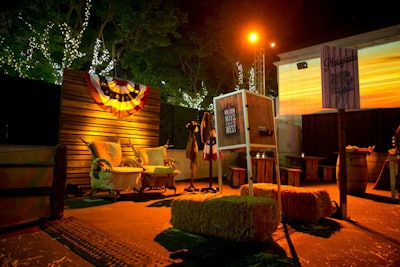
[(240, 79), (39, 42)]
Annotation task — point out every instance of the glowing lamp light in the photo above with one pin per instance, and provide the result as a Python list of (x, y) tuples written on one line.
[(253, 37)]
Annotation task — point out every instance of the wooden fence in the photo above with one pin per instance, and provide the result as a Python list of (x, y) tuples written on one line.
[(82, 118)]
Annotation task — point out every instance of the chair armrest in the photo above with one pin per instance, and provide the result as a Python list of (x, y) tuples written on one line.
[(101, 164), (130, 162), (170, 162)]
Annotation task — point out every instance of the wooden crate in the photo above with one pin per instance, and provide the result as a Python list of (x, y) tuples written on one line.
[(238, 176)]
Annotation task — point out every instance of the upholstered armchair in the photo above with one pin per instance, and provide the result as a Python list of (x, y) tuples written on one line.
[(159, 170), (111, 171)]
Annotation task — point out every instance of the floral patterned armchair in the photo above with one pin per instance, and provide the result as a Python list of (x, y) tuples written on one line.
[(159, 170), (111, 171)]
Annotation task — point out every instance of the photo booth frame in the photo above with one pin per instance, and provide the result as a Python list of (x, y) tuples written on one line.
[(245, 121)]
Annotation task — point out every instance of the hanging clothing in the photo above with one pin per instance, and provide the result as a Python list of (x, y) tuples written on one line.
[(208, 137), (206, 127), (210, 149), (191, 146)]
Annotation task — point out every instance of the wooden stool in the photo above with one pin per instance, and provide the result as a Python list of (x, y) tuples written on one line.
[(264, 169), (328, 172), (293, 175), (238, 175)]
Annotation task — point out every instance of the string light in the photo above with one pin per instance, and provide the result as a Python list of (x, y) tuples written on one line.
[(252, 81), (196, 101), (98, 61), (240, 80), (39, 42)]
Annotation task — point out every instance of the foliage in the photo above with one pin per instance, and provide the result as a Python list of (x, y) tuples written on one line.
[(41, 49), (63, 42), (188, 49)]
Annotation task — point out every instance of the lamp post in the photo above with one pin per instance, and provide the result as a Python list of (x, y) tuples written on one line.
[(259, 70), (259, 62)]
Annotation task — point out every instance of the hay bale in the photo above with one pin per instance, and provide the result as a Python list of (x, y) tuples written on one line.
[(298, 203), (235, 218)]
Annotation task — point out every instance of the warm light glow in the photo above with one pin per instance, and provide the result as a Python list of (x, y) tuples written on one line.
[(253, 37), (379, 67)]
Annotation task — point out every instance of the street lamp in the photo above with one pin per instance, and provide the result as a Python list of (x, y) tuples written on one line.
[(253, 37), (259, 62)]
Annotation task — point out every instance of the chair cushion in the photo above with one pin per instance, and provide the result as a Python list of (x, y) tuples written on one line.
[(108, 150), (153, 156), (158, 169), (126, 170)]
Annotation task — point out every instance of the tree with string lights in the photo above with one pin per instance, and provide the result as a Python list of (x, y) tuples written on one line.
[(40, 56), (41, 38)]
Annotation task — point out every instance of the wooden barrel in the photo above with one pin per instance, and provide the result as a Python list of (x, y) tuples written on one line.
[(375, 161), (356, 170)]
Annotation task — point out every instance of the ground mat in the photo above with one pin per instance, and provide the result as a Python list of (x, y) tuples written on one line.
[(198, 251), (99, 247)]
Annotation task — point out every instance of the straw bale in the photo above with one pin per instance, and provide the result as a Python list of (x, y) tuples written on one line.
[(298, 203), (236, 218)]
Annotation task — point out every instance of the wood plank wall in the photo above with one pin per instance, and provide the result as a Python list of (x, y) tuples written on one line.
[(81, 117)]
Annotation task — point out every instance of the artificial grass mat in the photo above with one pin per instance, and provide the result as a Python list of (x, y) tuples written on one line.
[(198, 250), (85, 202)]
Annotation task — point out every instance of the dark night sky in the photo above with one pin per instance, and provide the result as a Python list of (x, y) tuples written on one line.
[(299, 23), (295, 24), (309, 22)]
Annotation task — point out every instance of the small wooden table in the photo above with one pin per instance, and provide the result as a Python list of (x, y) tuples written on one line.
[(264, 169), (238, 176), (291, 175), (311, 165)]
